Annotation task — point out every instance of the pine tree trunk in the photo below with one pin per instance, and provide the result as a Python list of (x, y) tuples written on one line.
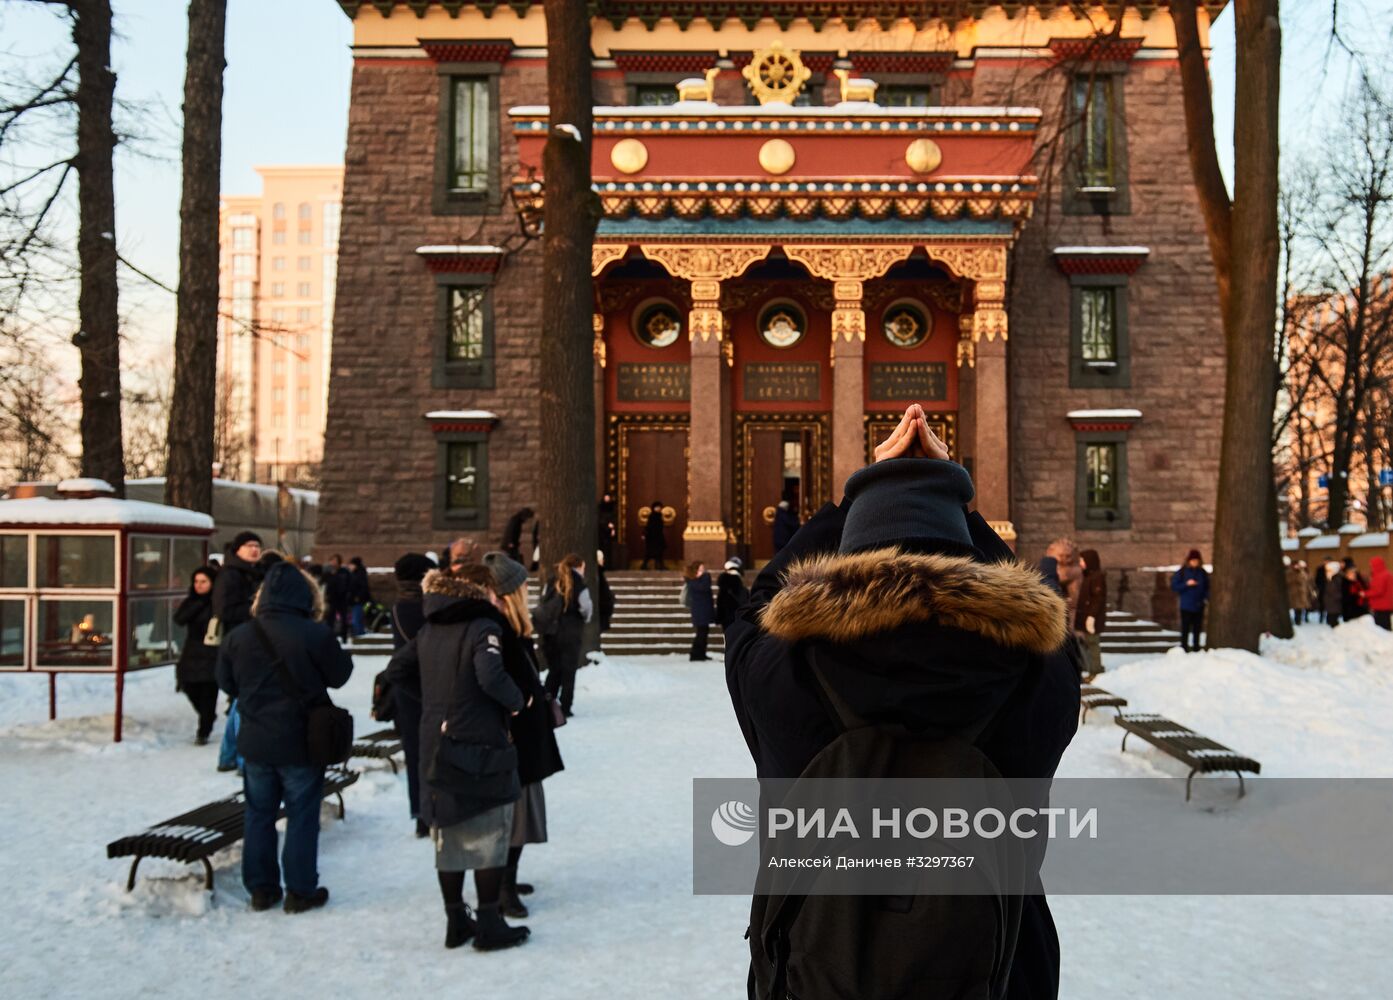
[(98, 336), (1243, 242), (567, 454), (189, 472)]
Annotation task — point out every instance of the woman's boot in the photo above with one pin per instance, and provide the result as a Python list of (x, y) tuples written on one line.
[(493, 931), (459, 925), (508, 901)]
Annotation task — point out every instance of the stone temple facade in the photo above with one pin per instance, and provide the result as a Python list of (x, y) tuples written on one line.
[(815, 213)]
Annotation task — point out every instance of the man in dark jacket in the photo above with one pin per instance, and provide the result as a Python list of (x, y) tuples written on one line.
[(336, 595), (233, 591), (1091, 613), (512, 534), (731, 592), (408, 615), (273, 736), (1191, 585), (949, 636), (702, 607), (785, 524), (359, 594)]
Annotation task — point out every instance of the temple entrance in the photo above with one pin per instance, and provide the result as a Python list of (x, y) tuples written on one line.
[(778, 456), (649, 461)]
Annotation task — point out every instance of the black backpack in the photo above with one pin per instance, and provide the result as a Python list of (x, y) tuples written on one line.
[(820, 947), (546, 619), (384, 704)]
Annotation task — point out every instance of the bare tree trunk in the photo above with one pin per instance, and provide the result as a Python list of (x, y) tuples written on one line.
[(571, 212), (98, 336), (1243, 242), (189, 472)]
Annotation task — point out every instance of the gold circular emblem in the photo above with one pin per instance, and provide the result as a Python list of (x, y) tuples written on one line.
[(923, 156), (629, 156), (776, 156)]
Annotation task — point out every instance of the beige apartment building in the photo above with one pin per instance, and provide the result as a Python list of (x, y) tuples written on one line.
[(279, 258)]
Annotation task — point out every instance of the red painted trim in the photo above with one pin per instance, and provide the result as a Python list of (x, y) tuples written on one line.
[(467, 52), (472, 428), (1103, 425), (901, 62), (1100, 263), (474, 263), (1095, 49), (665, 62)]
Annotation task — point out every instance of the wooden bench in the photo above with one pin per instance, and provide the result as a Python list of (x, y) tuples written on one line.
[(384, 744), (199, 834), (1199, 753), (1091, 697)]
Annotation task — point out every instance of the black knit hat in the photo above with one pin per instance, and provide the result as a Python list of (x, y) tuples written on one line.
[(508, 573), (412, 567), (916, 503), (242, 538)]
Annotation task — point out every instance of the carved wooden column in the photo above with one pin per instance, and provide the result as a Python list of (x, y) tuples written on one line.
[(708, 446), (598, 348), (848, 268), (989, 440)]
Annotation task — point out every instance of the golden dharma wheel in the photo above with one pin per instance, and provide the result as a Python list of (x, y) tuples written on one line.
[(776, 156), (923, 156), (629, 156)]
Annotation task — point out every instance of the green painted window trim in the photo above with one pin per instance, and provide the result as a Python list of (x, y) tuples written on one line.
[(473, 518), (1083, 375), (446, 199), (1119, 516), (462, 373), (1078, 199)]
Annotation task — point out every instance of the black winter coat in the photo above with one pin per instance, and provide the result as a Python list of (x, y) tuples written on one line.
[(198, 663), (941, 644), (408, 614), (731, 594), (234, 590), (703, 606), (273, 721), (359, 589), (336, 587), (465, 687)]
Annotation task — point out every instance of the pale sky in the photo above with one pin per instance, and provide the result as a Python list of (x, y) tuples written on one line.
[(287, 88)]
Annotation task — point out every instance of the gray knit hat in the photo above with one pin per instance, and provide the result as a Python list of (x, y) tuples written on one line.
[(914, 502), (508, 573)]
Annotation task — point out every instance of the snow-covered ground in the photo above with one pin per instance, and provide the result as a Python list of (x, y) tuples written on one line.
[(614, 916)]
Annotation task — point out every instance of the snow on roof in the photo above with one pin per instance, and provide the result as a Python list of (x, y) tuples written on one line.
[(262, 489), (84, 486), (1102, 251), (100, 510), (1104, 414), (1308, 533), (1324, 542), (460, 250), (1291, 544), (1351, 529), (1370, 540), (461, 415)]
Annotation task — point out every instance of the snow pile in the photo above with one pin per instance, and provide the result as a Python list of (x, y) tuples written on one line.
[(1315, 706)]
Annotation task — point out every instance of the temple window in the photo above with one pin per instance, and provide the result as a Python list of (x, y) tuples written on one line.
[(1093, 108), (1097, 157), (900, 95), (464, 356), (653, 95), (467, 143), (1099, 349), (1102, 495), (469, 134), (461, 493)]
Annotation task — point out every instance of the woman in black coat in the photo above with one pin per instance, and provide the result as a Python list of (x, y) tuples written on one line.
[(703, 608), (471, 765), (408, 615), (532, 729), (196, 672), (562, 649), (731, 592), (916, 614)]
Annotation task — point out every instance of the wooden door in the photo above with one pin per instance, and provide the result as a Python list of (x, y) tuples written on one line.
[(782, 460), (653, 467)]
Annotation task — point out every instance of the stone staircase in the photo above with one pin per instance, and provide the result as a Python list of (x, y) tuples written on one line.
[(649, 618), (1126, 633)]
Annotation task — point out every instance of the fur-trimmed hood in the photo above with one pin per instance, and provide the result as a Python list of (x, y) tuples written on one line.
[(442, 583), (447, 598), (845, 598)]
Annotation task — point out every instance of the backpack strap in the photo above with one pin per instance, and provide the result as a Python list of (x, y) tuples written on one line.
[(843, 716), (287, 679)]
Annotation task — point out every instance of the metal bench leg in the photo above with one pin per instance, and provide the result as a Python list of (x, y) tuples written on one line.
[(1125, 733), (393, 762), (130, 879), (339, 796), (1187, 783), (1083, 718), (1239, 775), (207, 874)]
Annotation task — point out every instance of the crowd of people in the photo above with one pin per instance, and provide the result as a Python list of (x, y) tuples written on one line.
[(1338, 592)]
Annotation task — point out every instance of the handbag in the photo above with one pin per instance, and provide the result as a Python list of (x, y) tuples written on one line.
[(328, 728), (558, 717), (213, 636)]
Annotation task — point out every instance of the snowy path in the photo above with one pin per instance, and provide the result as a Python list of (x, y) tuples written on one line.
[(614, 916)]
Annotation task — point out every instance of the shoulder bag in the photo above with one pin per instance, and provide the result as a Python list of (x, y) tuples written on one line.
[(329, 728)]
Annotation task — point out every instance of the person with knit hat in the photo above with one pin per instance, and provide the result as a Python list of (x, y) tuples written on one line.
[(408, 615), (907, 610), (233, 592), (1191, 585)]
